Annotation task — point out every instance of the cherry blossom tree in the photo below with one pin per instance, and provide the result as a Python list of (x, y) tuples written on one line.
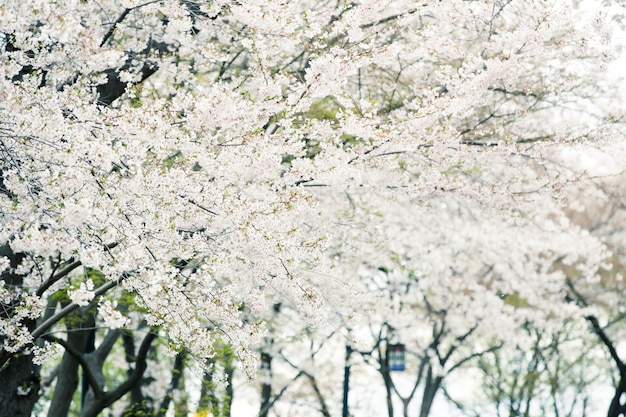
[(450, 312), (446, 308), (542, 374), (604, 217), (161, 162)]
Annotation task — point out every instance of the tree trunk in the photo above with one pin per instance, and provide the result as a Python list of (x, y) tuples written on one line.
[(430, 390), (96, 402), (138, 404), (346, 382), (388, 385), (266, 388), (68, 375), (617, 407), (19, 376), (67, 382), (19, 387), (67, 378), (177, 374)]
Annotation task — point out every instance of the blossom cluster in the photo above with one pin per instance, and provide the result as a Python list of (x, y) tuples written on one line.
[(192, 153)]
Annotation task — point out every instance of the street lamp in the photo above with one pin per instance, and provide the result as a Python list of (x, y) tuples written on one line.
[(395, 356)]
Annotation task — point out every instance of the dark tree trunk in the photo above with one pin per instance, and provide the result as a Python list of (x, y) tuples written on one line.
[(19, 382), (19, 376), (138, 404), (96, 402), (67, 382), (617, 407), (177, 376), (433, 383), (90, 346), (78, 336), (385, 372), (346, 382), (266, 388), (68, 376)]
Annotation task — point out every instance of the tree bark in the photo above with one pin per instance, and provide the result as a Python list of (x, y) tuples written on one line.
[(346, 382), (67, 378), (19, 376), (96, 402), (386, 373), (266, 388), (177, 373), (618, 406), (20, 384), (430, 390)]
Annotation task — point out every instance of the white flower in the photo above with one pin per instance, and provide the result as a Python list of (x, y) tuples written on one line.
[(112, 317), (46, 353), (83, 294), (4, 264)]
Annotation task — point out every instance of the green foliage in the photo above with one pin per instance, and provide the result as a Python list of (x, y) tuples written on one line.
[(455, 170), (135, 96), (473, 170), (312, 148), (514, 299), (391, 106), (324, 109), (287, 158), (215, 402), (351, 141), (173, 160), (115, 371), (140, 409)]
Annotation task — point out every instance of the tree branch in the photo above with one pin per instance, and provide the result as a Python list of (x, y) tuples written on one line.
[(108, 35), (43, 327), (140, 367), (78, 355), (54, 278)]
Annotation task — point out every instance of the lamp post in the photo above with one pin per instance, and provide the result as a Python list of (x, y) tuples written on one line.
[(395, 357)]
